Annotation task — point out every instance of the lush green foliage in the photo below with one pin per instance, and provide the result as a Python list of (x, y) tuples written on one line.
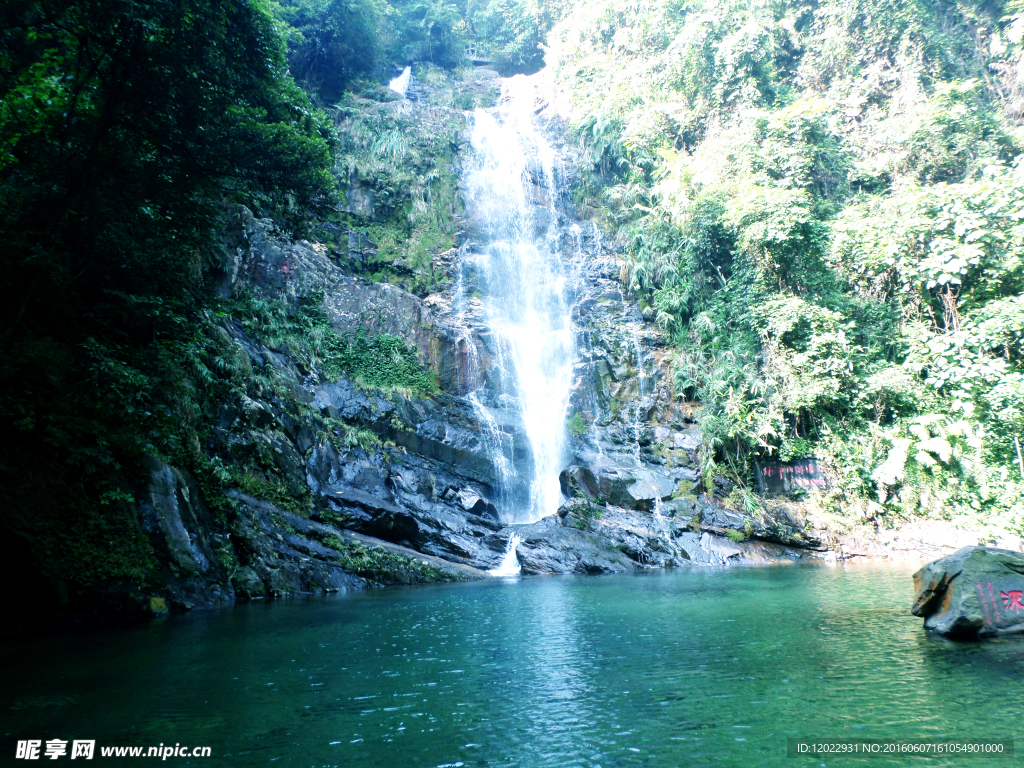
[(337, 46), (583, 512), (821, 204), (340, 46), (576, 425), (125, 125), (380, 361), (511, 32), (333, 44), (386, 567), (402, 163)]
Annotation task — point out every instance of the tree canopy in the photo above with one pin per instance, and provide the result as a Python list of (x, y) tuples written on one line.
[(126, 126), (821, 203)]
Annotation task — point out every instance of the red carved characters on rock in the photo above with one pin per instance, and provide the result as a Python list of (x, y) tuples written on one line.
[(1012, 600)]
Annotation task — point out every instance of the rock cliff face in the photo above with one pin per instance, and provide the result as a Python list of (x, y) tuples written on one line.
[(413, 480), (406, 489)]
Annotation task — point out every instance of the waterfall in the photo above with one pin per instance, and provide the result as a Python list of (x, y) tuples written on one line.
[(400, 84), (510, 562), (641, 376), (512, 191)]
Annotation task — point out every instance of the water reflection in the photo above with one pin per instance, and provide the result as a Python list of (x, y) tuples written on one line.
[(657, 670)]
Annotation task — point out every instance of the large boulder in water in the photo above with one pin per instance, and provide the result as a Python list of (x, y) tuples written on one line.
[(975, 592)]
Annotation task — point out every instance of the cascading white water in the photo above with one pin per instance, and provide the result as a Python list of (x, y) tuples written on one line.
[(511, 196), (400, 84), (641, 378), (510, 562)]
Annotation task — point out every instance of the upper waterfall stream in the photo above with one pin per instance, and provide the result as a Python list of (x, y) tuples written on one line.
[(512, 186)]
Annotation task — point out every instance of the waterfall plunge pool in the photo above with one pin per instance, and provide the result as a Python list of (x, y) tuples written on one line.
[(688, 667)]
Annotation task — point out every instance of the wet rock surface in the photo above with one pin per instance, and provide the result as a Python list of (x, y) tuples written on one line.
[(973, 593), (403, 489), (419, 474)]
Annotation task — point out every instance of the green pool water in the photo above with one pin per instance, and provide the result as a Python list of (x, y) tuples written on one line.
[(678, 668)]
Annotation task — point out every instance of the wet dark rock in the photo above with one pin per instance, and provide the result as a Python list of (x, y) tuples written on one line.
[(630, 485), (416, 477), (475, 504), (975, 592), (247, 584), (284, 561), (621, 482), (576, 478), (616, 540), (171, 518), (548, 547), (186, 538)]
